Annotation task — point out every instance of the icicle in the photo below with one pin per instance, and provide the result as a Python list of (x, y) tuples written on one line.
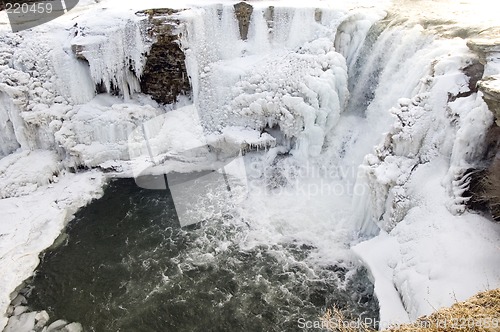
[(112, 51)]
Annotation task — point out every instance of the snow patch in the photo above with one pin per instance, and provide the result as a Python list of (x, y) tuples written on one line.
[(31, 223)]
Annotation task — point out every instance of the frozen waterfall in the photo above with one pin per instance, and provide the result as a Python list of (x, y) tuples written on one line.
[(357, 132)]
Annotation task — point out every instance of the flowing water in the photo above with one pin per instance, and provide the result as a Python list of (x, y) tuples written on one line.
[(129, 266)]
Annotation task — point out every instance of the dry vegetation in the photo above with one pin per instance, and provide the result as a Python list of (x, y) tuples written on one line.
[(334, 320), (480, 313)]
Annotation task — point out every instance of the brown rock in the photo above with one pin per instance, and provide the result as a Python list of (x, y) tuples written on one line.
[(489, 87), (165, 76), (243, 13)]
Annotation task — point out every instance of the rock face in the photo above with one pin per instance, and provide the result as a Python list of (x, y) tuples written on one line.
[(475, 72), (2, 3), (485, 183), (269, 16), (165, 76), (490, 87), (484, 46), (243, 13)]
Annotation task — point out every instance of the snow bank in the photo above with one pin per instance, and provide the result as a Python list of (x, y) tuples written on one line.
[(97, 132), (31, 223), (22, 173), (380, 255), (444, 258), (432, 258)]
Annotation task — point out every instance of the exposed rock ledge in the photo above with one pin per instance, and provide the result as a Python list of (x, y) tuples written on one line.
[(165, 75), (490, 86), (488, 50)]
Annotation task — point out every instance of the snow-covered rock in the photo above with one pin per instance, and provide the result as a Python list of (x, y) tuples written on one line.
[(32, 222), (23, 172), (21, 323)]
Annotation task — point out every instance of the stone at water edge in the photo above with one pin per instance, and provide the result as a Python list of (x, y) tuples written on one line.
[(73, 327), (22, 323), (20, 310), (20, 299), (58, 325), (41, 318)]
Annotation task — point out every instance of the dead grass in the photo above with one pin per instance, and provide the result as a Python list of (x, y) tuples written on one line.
[(334, 320), (481, 313)]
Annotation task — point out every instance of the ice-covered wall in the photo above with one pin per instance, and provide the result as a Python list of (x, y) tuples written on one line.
[(8, 120), (429, 122), (416, 180), (48, 83), (288, 75), (29, 94), (115, 50)]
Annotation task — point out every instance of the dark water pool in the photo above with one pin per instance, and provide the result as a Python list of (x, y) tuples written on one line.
[(128, 266)]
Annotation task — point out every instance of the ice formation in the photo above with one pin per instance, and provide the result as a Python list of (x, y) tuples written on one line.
[(430, 147), (310, 89)]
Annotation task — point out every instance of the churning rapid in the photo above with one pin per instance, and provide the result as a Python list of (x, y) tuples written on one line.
[(315, 156), (136, 270)]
